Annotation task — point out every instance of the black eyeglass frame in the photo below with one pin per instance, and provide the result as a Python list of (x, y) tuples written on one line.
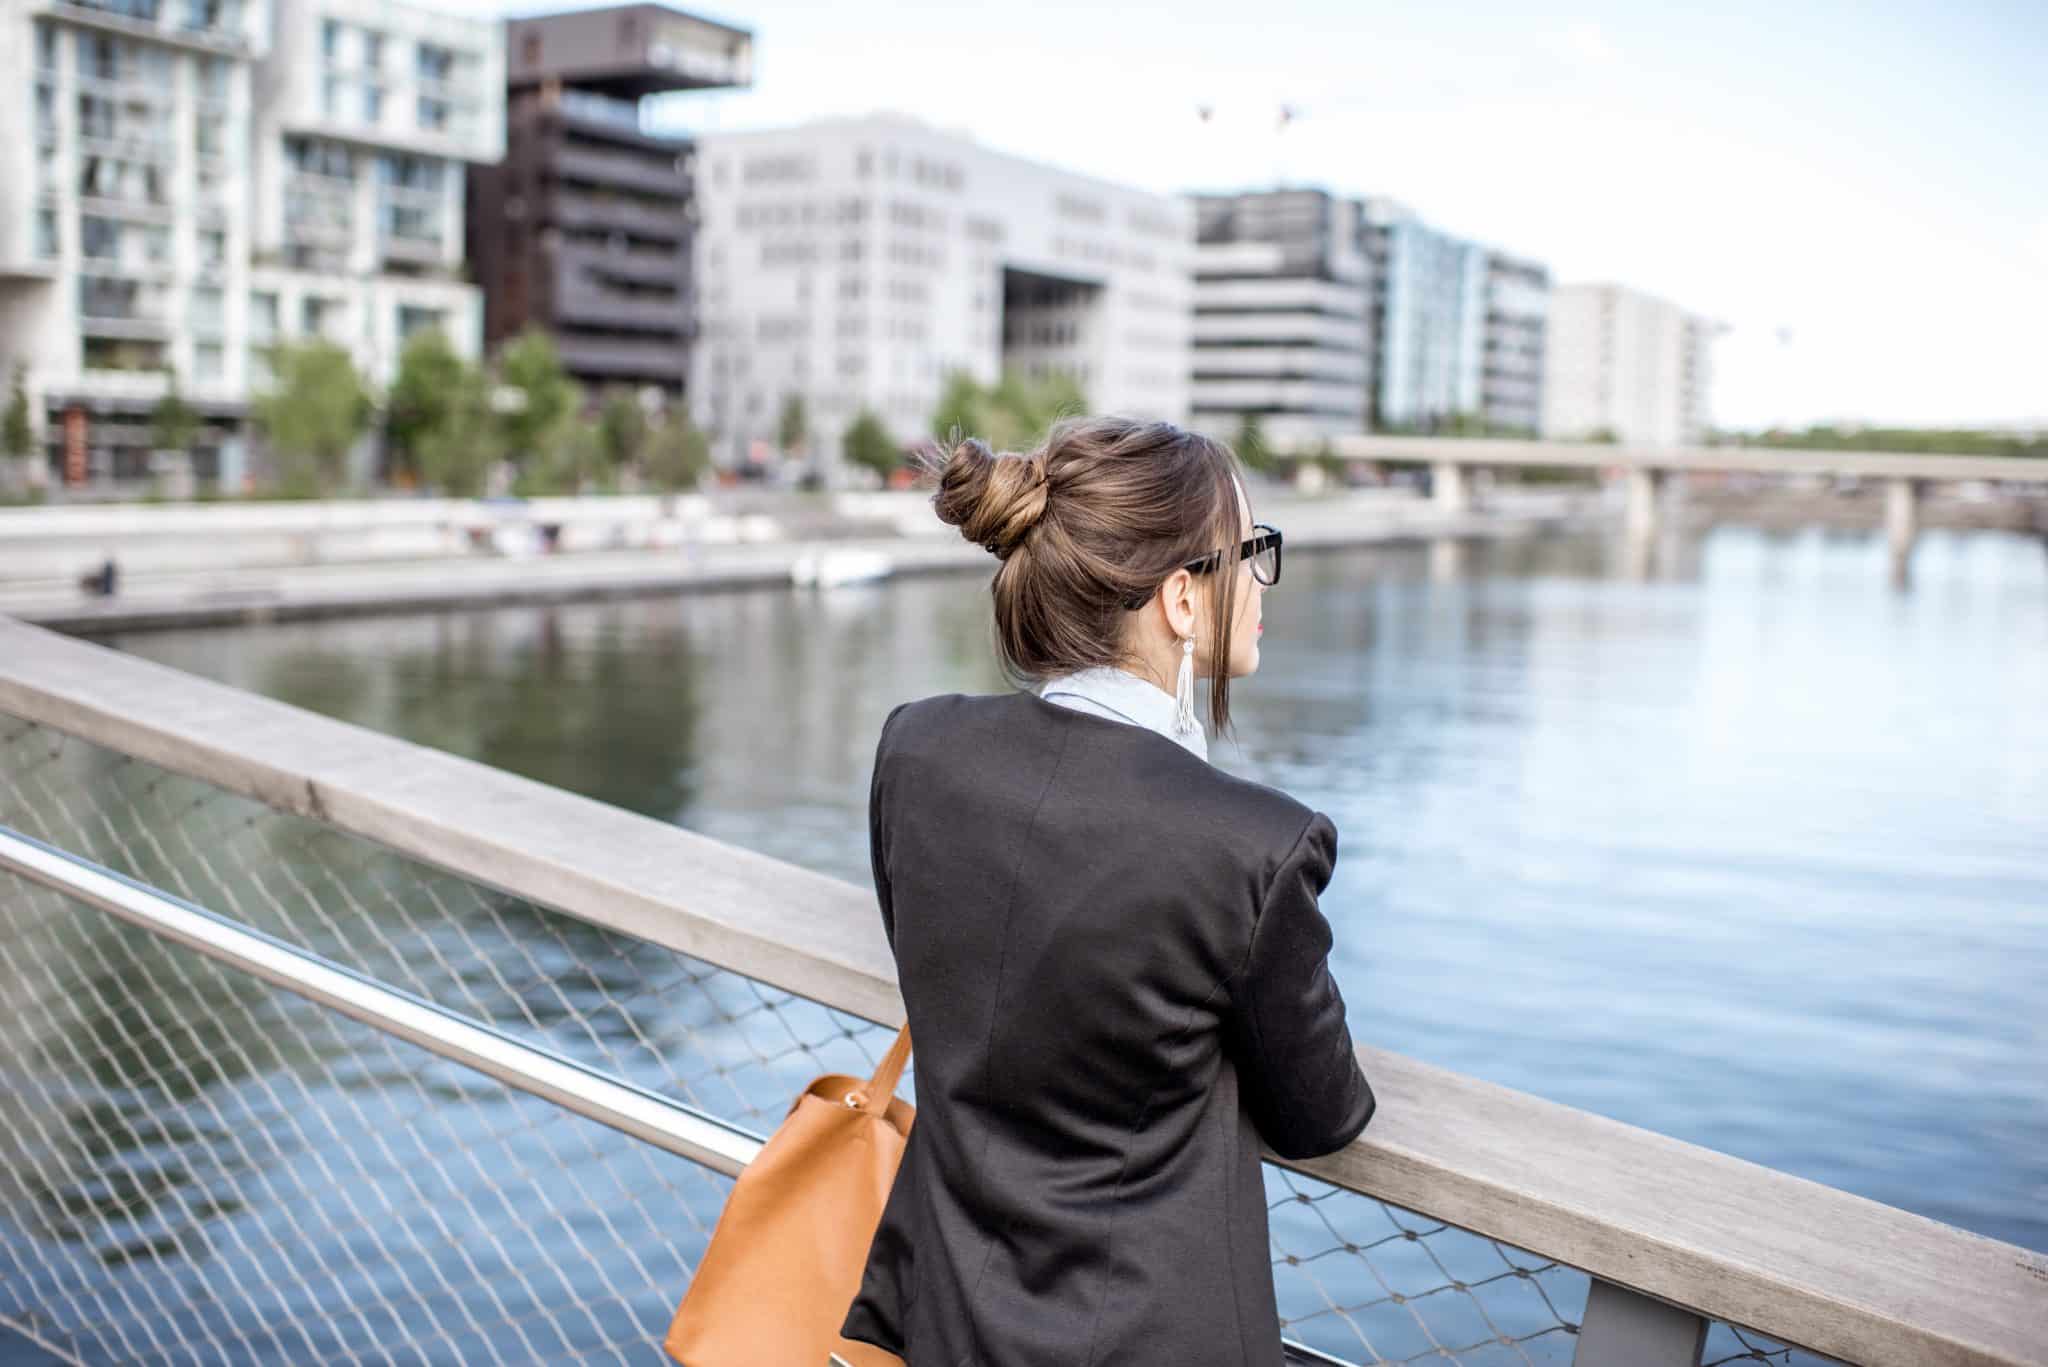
[(1267, 539)]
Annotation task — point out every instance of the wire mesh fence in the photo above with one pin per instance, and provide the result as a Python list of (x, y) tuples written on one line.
[(201, 1168)]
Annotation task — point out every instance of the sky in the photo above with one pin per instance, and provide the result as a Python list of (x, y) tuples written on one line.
[(1858, 193)]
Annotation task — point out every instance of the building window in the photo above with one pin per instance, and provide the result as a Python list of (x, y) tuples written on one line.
[(330, 39), (262, 316), (315, 314), (411, 320), (207, 361), (208, 317), (46, 233), (99, 239), (373, 49)]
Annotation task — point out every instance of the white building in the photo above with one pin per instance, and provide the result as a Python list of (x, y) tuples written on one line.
[(202, 177), (1281, 318), (1622, 363), (856, 262)]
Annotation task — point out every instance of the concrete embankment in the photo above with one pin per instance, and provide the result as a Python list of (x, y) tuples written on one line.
[(191, 574)]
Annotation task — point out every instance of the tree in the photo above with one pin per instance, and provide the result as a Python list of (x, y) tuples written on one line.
[(792, 428), (17, 436), (314, 413), (622, 429), (566, 455), (529, 364), (678, 453), (1250, 443), (173, 423), (430, 376), (867, 442), (1011, 416), (457, 453), (959, 407)]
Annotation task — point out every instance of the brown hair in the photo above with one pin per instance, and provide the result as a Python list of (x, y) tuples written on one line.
[(1098, 515)]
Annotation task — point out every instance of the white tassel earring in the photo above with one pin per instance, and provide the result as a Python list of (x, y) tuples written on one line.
[(1184, 687)]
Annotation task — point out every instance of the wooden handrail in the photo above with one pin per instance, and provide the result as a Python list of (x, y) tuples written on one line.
[(1731, 1240)]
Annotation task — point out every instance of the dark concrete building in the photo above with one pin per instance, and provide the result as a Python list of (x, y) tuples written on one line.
[(586, 228)]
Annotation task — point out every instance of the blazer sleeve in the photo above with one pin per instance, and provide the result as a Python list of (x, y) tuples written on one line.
[(877, 845), (1297, 1070)]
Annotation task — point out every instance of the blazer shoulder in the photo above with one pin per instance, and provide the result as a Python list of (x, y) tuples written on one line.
[(1266, 821), (1272, 819)]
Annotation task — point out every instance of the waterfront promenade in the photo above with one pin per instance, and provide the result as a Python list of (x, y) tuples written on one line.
[(180, 568)]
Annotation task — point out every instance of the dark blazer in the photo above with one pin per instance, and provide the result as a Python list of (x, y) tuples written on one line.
[(1116, 976)]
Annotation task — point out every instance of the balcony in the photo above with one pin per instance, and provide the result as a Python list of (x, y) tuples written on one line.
[(580, 302), (214, 28), (134, 85), (610, 356), (128, 144), (115, 317), (573, 208), (647, 174), (668, 266), (410, 249)]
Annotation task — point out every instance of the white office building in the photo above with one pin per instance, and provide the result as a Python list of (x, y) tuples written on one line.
[(855, 263), (1281, 324), (1621, 363), (203, 177)]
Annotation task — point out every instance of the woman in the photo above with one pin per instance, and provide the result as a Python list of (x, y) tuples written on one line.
[(1111, 954)]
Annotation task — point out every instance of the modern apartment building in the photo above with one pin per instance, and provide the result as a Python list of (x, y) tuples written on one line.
[(1626, 364), (1511, 350), (369, 113), (1428, 320), (124, 222), (1281, 290), (587, 228), (854, 263), (204, 177)]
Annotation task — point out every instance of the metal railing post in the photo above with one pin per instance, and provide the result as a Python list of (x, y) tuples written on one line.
[(1625, 1328)]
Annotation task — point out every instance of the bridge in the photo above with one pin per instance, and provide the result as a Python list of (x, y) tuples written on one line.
[(1647, 470), (314, 1039)]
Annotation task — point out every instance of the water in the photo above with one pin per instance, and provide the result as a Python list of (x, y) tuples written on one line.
[(1754, 854)]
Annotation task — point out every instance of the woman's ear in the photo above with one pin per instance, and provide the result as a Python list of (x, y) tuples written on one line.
[(1183, 602)]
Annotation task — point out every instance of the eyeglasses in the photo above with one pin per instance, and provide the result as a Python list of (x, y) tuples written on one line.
[(1262, 550)]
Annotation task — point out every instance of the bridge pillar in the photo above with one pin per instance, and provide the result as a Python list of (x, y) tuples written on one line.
[(1902, 524), (1645, 497), (1625, 1328), (1448, 487)]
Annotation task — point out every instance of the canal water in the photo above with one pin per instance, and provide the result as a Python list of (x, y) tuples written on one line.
[(1753, 852)]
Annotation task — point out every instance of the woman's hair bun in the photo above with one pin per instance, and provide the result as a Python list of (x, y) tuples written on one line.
[(993, 499)]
